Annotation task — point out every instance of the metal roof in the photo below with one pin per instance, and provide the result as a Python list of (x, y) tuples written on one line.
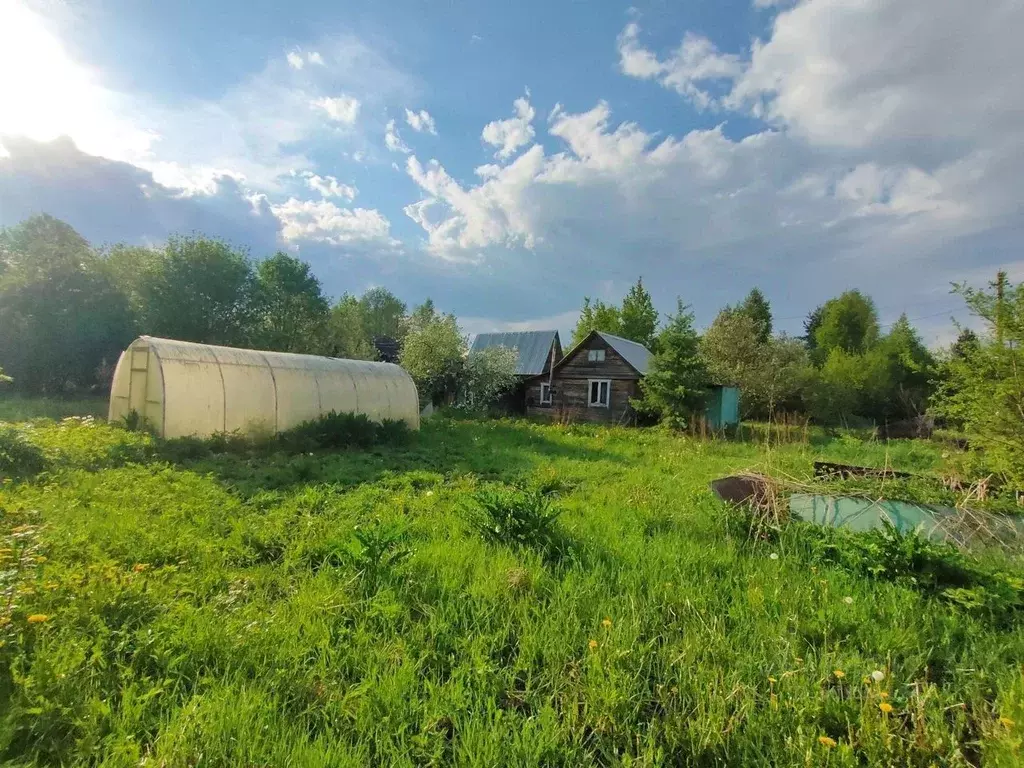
[(534, 347), (635, 354)]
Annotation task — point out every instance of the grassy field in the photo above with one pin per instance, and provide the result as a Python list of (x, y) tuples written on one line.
[(175, 606)]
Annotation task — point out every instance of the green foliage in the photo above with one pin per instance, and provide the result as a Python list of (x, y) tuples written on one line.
[(347, 335), (937, 569), (18, 457), (60, 311), (342, 430), (200, 289), (434, 354), (596, 316), (383, 313), (377, 551), (981, 390), (638, 319), (675, 387), (489, 374), (848, 322), (756, 307), (519, 518), (770, 374), (292, 310)]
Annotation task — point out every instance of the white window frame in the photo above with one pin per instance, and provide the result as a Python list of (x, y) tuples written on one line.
[(591, 403), (545, 393), (595, 356)]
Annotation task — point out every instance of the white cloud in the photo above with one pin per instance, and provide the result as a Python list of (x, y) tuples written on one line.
[(322, 221), (341, 109), (328, 186), (695, 63), (421, 121), (296, 60), (392, 140), (509, 135)]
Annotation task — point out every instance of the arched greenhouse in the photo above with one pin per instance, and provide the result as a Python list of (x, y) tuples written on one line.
[(181, 388)]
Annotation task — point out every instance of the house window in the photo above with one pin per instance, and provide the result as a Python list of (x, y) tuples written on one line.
[(600, 390), (545, 394), (595, 355)]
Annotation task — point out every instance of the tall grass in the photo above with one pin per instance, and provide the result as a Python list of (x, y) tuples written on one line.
[(237, 609)]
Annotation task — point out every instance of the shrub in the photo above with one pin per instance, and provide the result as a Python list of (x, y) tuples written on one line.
[(935, 568), (392, 432), (18, 457), (520, 519), (332, 430)]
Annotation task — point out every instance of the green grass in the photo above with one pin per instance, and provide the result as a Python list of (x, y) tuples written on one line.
[(259, 608), (14, 407)]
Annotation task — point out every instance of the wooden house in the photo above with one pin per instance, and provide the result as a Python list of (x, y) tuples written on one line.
[(593, 382), (596, 380)]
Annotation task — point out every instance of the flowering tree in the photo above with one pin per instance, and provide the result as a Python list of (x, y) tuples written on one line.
[(489, 374)]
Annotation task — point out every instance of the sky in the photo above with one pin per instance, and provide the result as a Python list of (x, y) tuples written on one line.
[(508, 159)]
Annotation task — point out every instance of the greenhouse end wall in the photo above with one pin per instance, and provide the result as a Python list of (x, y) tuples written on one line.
[(181, 388)]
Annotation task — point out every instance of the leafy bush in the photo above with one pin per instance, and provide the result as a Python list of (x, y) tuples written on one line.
[(392, 432), (18, 457), (376, 551), (489, 374), (937, 569), (520, 519), (332, 430)]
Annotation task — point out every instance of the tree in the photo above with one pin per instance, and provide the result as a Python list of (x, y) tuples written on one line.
[(423, 314), (383, 313), (848, 322), (675, 386), (967, 342), (293, 312), (61, 313), (434, 354), (346, 334), (201, 290), (982, 391), (638, 319), (596, 316), (757, 308), (811, 325), (769, 374), (906, 371), (489, 374)]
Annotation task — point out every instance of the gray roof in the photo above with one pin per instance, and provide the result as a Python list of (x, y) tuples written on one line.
[(534, 348), (635, 354)]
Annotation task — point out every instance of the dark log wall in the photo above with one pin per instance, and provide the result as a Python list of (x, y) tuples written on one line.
[(570, 387)]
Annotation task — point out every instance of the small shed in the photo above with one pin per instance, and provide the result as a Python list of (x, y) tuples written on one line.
[(181, 388), (723, 407)]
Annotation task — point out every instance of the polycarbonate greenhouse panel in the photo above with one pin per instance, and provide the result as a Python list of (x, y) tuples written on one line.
[(181, 388)]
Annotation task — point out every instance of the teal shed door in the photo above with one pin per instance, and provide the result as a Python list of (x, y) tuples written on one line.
[(723, 408)]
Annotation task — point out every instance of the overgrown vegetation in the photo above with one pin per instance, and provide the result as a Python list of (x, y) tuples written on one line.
[(413, 603)]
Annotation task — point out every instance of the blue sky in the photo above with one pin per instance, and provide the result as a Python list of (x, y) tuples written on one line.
[(508, 159)]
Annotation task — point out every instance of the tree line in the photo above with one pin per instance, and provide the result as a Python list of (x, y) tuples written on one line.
[(67, 309)]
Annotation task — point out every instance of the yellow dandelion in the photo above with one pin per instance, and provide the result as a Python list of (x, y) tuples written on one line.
[(826, 741), (772, 679), (1007, 722), (139, 567), (606, 623), (839, 674), (592, 645), (37, 618), (884, 694), (886, 707)]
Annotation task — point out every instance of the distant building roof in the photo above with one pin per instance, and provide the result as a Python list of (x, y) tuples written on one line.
[(635, 354), (534, 348), (388, 349)]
